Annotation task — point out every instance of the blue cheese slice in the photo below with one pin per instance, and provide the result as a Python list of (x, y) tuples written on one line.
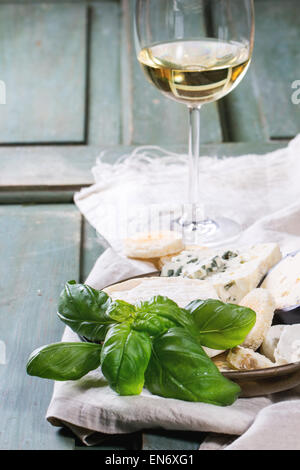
[(233, 273)]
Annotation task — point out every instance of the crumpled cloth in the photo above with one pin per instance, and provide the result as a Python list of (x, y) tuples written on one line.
[(92, 410), (147, 189)]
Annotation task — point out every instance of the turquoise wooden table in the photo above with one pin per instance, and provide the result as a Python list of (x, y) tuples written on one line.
[(74, 87)]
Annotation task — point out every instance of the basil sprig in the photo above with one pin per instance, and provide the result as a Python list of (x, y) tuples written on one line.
[(179, 368), (64, 361), (86, 311), (219, 325), (124, 358), (153, 343)]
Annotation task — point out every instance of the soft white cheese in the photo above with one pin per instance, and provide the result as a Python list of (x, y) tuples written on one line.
[(182, 291), (288, 347), (284, 282), (271, 340), (233, 273)]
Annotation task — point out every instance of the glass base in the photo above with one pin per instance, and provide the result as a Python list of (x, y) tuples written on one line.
[(208, 232)]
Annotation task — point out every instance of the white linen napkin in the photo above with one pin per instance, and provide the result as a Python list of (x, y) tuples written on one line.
[(93, 407), (128, 195), (265, 198)]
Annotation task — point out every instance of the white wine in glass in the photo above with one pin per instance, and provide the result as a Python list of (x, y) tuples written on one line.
[(196, 52)]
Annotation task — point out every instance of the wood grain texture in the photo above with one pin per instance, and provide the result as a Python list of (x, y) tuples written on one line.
[(39, 252), (92, 246), (243, 114), (261, 107), (104, 93), (149, 117), (42, 167), (172, 440), (23, 180), (132, 441), (43, 54)]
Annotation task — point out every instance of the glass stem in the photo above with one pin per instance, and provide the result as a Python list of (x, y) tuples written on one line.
[(194, 155)]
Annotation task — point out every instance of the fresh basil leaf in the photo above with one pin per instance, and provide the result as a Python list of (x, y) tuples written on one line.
[(152, 324), (84, 309), (165, 308), (124, 359), (179, 368), (64, 361), (119, 310), (220, 325)]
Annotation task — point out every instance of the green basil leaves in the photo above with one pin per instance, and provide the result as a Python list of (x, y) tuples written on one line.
[(179, 368), (166, 308), (219, 325), (154, 343), (64, 361), (84, 310), (124, 359)]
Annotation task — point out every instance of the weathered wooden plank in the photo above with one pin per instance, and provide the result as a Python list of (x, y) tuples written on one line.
[(149, 117), (43, 67), (86, 2), (39, 252), (172, 440), (62, 170), (132, 441), (104, 126), (242, 113), (92, 247), (36, 197), (261, 106), (46, 166)]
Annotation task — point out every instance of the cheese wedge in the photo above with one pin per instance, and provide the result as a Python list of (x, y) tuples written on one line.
[(189, 248), (271, 340), (263, 304), (284, 282), (153, 244), (182, 291), (213, 352), (221, 362), (288, 347), (246, 359), (232, 273)]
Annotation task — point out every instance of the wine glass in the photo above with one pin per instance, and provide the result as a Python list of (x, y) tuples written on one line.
[(196, 52)]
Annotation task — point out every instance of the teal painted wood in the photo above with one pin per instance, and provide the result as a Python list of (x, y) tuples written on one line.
[(243, 115), (36, 197), (131, 441), (23, 180), (261, 107), (104, 117), (43, 59), (149, 117), (39, 251), (93, 245), (43, 167), (172, 440)]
